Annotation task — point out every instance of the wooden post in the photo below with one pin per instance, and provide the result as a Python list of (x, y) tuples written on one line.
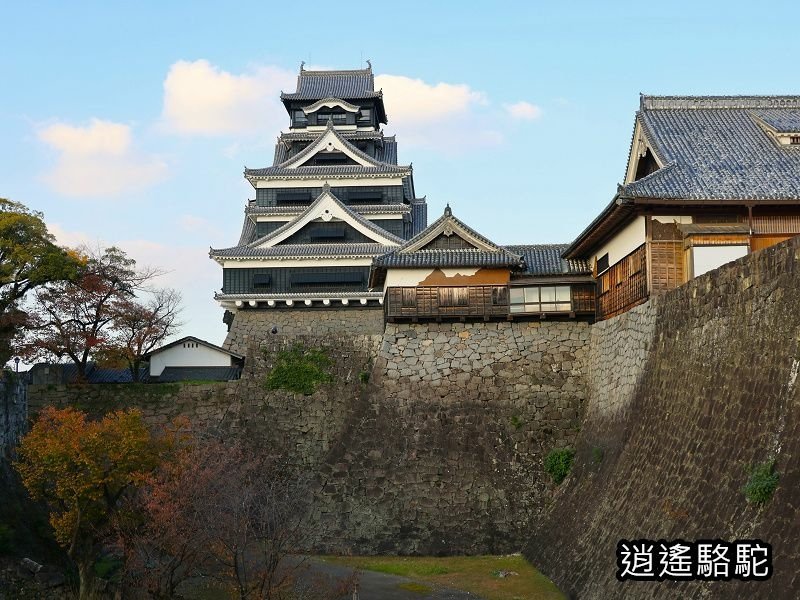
[(648, 235)]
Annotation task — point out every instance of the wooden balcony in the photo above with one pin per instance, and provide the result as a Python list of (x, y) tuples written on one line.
[(446, 302), (482, 302)]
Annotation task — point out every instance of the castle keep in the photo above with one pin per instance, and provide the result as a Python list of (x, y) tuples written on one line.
[(332, 200), (336, 224)]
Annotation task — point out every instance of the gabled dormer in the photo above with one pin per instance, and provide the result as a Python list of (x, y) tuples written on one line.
[(327, 220), (330, 148), (643, 159), (782, 126)]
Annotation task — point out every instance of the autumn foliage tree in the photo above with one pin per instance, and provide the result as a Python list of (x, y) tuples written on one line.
[(29, 258), (81, 469), (141, 326), (224, 511), (99, 311)]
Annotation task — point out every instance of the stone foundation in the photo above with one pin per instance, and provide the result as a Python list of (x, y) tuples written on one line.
[(254, 326)]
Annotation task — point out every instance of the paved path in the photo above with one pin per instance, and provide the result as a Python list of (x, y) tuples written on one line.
[(380, 586)]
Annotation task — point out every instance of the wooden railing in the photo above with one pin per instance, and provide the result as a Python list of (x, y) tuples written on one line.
[(622, 286)]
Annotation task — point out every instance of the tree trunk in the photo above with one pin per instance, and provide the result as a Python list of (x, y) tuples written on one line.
[(86, 579)]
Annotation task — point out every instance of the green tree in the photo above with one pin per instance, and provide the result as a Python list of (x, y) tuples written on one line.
[(81, 469), (29, 258)]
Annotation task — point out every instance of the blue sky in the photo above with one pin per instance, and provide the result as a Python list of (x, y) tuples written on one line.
[(130, 125)]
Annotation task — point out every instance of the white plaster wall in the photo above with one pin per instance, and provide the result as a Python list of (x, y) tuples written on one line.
[(178, 356), (625, 242), (706, 258), (405, 277)]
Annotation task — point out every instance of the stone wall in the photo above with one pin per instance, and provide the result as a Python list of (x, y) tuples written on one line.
[(672, 427), (13, 413), (617, 356), (440, 452), (250, 326)]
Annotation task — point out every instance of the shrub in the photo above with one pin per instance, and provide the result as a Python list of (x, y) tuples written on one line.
[(299, 370), (762, 483), (6, 536), (597, 455), (558, 463), (516, 422), (363, 377)]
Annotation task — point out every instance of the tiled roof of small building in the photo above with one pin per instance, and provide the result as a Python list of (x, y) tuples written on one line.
[(448, 259), (713, 148), (404, 256), (545, 259), (349, 85), (173, 374)]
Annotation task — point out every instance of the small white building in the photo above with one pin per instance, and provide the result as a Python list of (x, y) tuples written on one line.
[(191, 358)]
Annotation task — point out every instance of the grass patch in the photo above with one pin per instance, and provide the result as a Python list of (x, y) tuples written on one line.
[(597, 455), (516, 422), (474, 574), (558, 463), (300, 370), (762, 483), (416, 588)]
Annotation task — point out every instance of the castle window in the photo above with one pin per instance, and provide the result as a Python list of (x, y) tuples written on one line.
[(289, 198), (365, 116), (794, 140), (602, 263), (300, 119), (261, 280), (541, 299), (338, 118)]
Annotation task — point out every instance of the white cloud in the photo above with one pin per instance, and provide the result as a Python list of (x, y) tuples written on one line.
[(186, 267), (198, 225), (523, 110), (448, 116), (202, 99), (97, 160)]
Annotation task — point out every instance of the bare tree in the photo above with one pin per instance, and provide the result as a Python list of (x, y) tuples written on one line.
[(229, 512), (72, 319), (138, 327)]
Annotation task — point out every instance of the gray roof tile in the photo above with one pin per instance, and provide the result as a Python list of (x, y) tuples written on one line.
[(714, 149), (545, 259), (302, 251), (419, 215), (462, 257), (347, 85), (303, 172), (361, 209), (173, 374)]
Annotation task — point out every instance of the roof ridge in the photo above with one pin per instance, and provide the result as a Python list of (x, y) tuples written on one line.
[(719, 102)]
